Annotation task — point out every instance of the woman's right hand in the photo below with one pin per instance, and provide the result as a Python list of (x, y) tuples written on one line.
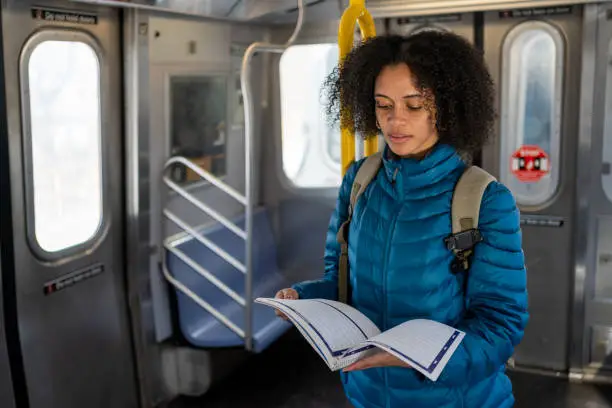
[(288, 293)]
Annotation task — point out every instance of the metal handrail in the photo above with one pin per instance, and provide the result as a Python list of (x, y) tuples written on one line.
[(203, 207), (245, 85), (205, 305), (205, 241), (206, 274), (208, 176)]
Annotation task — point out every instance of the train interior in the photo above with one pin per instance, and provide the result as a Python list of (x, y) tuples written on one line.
[(177, 153)]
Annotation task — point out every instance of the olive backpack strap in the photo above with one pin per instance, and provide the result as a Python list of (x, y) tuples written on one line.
[(465, 211), (364, 176)]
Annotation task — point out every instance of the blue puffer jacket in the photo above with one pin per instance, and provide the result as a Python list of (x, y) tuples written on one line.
[(400, 270)]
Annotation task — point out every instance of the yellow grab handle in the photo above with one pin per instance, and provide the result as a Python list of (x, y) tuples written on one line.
[(356, 12)]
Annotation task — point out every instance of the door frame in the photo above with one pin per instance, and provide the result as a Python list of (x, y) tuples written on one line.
[(589, 189)]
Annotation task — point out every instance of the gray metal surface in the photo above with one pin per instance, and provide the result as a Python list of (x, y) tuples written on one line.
[(548, 250), (594, 355), (76, 342), (148, 311), (584, 177), (395, 8), (280, 11), (6, 385), (462, 24), (229, 10)]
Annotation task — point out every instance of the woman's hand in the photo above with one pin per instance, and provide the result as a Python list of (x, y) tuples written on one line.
[(380, 359), (285, 294)]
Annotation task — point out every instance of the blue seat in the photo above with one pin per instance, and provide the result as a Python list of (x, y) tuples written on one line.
[(202, 329)]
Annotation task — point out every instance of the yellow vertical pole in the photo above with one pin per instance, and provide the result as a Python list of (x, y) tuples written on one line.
[(356, 12)]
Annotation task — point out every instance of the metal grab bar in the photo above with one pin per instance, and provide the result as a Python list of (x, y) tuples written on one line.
[(207, 176), (204, 208), (206, 242), (206, 274), (205, 305), (356, 12), (245, 85)]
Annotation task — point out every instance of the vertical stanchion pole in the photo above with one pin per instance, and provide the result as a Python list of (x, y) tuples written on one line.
[(356, 12)]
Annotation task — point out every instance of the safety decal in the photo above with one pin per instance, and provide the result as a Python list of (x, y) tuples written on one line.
[(63, 16), (530, 164), (72, 278)]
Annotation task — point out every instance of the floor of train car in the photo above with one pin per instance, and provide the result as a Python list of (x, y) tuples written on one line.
[(290, 375)]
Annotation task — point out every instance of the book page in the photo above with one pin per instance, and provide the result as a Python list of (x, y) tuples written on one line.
[(337, 325), (425, 345), (305, 330), (352, 356)]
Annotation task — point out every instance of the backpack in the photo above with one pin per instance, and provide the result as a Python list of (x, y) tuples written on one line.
[(465, 209)]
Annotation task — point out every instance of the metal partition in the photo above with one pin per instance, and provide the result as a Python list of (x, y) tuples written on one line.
[(247, 200), (591, 356), (6, 385)]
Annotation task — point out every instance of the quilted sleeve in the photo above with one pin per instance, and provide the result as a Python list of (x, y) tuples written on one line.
[(496, 294), (327, 286)]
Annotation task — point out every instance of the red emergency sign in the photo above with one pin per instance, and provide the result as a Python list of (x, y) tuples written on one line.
[(530, 164)]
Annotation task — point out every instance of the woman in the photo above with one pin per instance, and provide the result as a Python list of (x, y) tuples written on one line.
[(431, 96)]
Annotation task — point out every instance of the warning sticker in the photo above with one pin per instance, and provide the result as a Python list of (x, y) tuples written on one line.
[(530, 164), (63, 16)]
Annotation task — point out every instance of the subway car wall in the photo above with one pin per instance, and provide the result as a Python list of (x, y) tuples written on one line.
[(159, 171)]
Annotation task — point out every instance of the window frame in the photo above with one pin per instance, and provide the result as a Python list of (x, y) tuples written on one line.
[(85, 247), (193, 72), (542, 199), (327, 158)]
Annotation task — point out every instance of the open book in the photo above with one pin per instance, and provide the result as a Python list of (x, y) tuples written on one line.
[(342, 335)]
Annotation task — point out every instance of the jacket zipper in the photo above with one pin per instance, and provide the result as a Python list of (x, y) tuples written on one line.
[(386, 264), (388, 250), (384, 277)]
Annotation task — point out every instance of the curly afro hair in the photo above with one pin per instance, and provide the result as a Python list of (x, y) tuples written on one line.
[(443, 64)]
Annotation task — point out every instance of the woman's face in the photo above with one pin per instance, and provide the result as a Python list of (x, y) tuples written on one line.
[(405, 114)]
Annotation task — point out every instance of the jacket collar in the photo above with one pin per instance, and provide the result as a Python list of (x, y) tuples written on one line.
[(408, 174)]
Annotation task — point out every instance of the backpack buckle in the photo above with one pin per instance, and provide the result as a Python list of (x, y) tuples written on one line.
[(459, 264), (463, 240), (461, 244)]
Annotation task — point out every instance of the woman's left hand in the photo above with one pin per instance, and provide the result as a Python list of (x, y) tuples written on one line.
[(380, 359)]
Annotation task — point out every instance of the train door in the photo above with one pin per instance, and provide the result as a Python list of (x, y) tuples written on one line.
[(534, 57), (461, 24), (593, 329), (63, 77)]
